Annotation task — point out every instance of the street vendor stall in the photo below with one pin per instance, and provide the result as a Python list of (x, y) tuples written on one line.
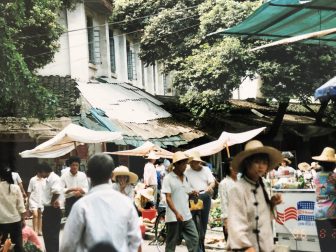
[(295, 222)]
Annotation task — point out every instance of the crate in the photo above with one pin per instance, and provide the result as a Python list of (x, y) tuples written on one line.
[(149, 214)]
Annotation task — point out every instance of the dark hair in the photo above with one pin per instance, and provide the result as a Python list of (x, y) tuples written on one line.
[(159, 161), (226, 165), (100, 167), (247, 161), (44, 167), (6, 173), (73, 159), (103, 247)]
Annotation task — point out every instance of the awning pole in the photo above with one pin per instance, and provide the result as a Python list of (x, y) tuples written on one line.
[(76, 148), (227, 150)]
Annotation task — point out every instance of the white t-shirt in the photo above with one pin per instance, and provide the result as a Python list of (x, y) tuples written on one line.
[(11, 206), (180, 195), (16, 177), (150, 177), (53, 186), (35, 188), (71, 181), (199, 180)]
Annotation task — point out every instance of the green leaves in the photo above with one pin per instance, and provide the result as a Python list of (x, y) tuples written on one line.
[(29, 35)]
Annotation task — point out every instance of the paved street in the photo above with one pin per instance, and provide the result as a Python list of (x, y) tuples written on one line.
[(146, 247)]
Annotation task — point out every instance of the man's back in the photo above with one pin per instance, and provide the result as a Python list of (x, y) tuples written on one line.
[(103, 215)]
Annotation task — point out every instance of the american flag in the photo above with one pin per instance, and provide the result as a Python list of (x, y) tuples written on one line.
[(306, 210), (289, 213)]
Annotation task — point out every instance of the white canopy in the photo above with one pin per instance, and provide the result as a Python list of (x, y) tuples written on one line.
[(225, 139), (66, 140), (143, 150)]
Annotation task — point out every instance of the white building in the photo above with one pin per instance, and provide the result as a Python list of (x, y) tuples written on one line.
[(91, 47)]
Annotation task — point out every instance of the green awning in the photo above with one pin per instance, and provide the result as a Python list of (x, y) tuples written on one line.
[(278, 19)]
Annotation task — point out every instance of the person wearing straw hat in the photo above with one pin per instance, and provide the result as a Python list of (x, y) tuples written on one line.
[(149, 175), (201, 180), (124, 179), (285, 171), (144, 199), (325, 207), (178, 216), (250, 207), (306, 173)]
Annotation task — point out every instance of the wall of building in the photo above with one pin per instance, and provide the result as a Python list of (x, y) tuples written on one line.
[(248, 89), (73, 56)]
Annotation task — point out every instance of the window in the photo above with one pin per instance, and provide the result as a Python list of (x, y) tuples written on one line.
[(112, 52), (131, 67), (93, 41)]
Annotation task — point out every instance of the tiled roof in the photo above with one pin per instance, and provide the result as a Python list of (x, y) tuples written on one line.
[(65, 90)]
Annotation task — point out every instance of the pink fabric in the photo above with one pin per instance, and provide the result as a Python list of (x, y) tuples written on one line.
[(28, 234)]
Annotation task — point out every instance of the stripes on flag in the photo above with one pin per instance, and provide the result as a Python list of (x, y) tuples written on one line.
[(289, 213)]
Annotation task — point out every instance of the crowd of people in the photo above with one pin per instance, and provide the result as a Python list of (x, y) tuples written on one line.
[(102, 205)]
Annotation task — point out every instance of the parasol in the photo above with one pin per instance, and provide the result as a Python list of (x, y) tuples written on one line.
[(225, 140), (68, 139), (143, 150)]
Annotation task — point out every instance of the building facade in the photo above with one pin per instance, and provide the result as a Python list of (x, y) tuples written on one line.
[(91, 48)]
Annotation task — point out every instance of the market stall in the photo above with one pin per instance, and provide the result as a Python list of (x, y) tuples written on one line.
[(295, 223)]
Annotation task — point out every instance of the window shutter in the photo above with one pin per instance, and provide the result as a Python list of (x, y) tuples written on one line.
[(96, 46)]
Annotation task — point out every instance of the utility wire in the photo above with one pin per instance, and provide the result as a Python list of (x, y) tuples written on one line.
[(102, 25), (85, 58), (118, 35)]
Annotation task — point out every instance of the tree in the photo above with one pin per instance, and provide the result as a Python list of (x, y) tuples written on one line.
[(29, 38), (209, 68)]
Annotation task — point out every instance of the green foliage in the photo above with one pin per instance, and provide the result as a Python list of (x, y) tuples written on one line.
[(207, 78), (29, 38), (215, 217), (208, 68)]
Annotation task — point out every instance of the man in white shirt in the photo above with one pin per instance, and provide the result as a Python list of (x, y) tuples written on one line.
[(201, 180), (35, 204), (75, 183), (52, 214), (103, 215), (178, 216), (150, 176)]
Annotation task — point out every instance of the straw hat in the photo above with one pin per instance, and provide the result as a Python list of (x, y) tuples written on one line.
[(327, 155), (287, 160), (152, 156), (124, 171), (179, 156), (139, 186), (196, 156), (304, 166), (148, 193), (256, 147)]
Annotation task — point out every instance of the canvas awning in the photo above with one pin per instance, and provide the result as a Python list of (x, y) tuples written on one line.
[(226, 139), (67, 140), (143, 150), (278, 19)]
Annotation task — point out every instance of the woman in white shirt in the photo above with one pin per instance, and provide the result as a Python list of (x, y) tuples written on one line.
[(250, 208), (12, 209), (35, 190), (124, 179)]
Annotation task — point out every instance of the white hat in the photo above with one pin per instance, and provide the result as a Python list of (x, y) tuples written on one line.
[(124, 171), (327, 155), (304, 166), (256, 147), (196, 156), (148, 193), (152, 156)]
